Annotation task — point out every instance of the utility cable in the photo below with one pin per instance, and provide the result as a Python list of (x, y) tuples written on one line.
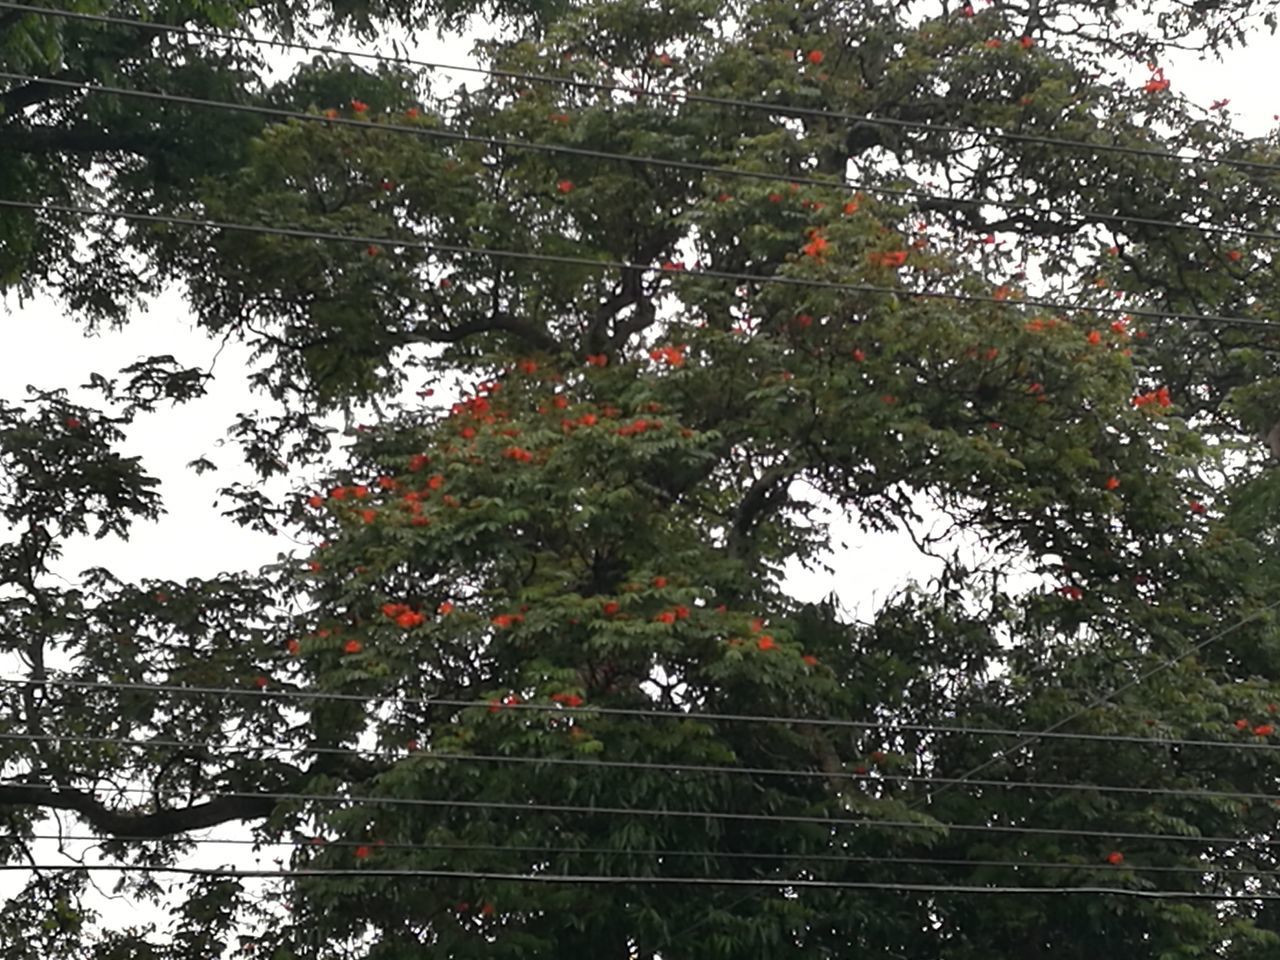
[(673, 164), (46, 796), (665, 95), (1129, 312), (866, 777)]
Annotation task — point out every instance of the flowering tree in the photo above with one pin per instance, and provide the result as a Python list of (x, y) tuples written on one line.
[(740, 271)]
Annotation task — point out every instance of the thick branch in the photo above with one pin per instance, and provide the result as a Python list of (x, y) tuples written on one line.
[(534, 336), (162, 823)]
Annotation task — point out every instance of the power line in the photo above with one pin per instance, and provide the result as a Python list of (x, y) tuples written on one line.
[(666, 95), (673, 164), (1107, 697), (645, 268), (588, 710), (48, 795), (785, 882), (853, 776), (663, 853)]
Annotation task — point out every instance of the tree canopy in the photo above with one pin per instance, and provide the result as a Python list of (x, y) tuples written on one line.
[(715, 278)]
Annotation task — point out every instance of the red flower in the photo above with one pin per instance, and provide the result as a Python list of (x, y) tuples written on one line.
[(775, 198), (1094, 337), (363, 852), (316, 501), (1234, 256), (368, 516), (260, 682), (1264, 730), (610, 607), (597, 360), (418, 461), (1115, 858), (1157, 83), (1027, 43), (359, 106), (878, 756), (816, 247), (445, 608), (352, 646), (681, 612), (851, 206), (766, 642), (72, 423), (673, 356), (486, 910), (1071, 592), (519, 454), (1242, 724), (565, 186), (505, 620), (892, 259), (412, 113), (435, 482), (1112, 483), (659, 583), (815, 57), (810, 660), (666, 616), (993, 44), (409, 619), (293, 646), (567, 699), (858, 355)]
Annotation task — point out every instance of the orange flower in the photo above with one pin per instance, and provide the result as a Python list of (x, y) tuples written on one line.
[(1027, 43), (858, 355), (1157, 83), (363, 852), (610, 607), (1094, 337), (412, 113), (352, 646), (673, 356), (666, 616), (567, 699), (294, 647), (418, 461), (435, 482), (505, 620), (766, 642), (1234, 256), (810, 660), (597, 360), (409, 619), (565, 186), (1112, 483), (359, 106), (1242, 724), (368, 515), (993, 44), (815, 57), (1115, 858), (816, 247), (891, 259), (316, 501), (1264, 730), (659, 583)]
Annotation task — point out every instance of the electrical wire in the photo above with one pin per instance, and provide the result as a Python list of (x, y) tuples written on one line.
[(784, 882), (666, 95), (842, 184), (1129, 312), (48, 795), (853, 776), (1128, 866), (587, 710)]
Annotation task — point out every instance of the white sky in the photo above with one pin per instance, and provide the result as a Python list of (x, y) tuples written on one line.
[(46, 348)]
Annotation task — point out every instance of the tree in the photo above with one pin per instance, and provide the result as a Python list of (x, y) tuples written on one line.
[(500, 660)]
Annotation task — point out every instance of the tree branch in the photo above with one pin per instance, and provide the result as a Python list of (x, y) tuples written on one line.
[(162, 823)]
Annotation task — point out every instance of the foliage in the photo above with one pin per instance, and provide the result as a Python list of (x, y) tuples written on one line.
[(676, 376)]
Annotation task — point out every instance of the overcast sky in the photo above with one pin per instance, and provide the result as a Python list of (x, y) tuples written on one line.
[(46, 348)]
